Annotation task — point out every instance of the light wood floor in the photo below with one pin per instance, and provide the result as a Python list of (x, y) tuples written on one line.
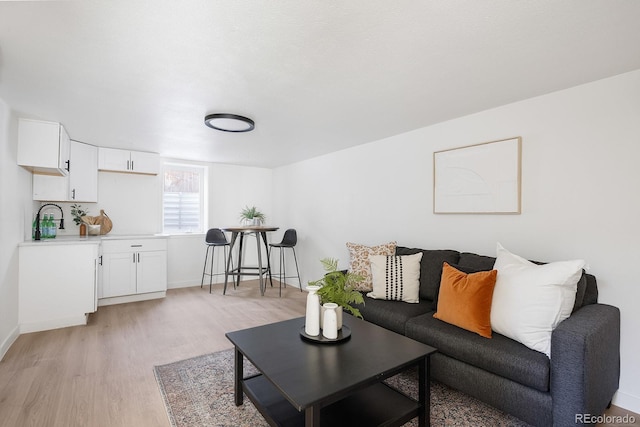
[(102, 374)]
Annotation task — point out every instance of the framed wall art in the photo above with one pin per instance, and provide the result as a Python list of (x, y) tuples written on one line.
[(478, 179)]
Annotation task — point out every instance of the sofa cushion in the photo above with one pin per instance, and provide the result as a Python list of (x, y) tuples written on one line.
[(591, 291), (530, 300), (392, 315), (477, 262), (359, 261), (465, 299), (499, 355), (396, 277), (430, 269), (580, 291)]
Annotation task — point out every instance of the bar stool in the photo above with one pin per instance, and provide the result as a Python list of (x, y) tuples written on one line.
[(289, 240), (215, 238)]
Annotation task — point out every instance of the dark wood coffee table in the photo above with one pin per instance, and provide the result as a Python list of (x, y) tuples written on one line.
[(311, 384)]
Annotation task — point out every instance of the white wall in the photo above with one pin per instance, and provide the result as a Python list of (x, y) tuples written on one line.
[(15, 191), (579, 195), (133, 202)]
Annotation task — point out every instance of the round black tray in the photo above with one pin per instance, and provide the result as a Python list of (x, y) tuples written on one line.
[(343, 334)]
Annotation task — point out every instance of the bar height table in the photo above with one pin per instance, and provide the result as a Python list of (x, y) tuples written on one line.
[(261, 234)]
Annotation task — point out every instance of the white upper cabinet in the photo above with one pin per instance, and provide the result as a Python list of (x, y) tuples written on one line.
[(81, 185), (111, 159), (43, 147), (142, 162), (83, 177), (115, 160)]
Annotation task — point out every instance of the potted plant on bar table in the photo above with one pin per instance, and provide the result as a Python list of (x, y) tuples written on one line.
[(252, 216), (338, 287)]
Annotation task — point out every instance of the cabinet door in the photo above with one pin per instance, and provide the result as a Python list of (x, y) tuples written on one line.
[(65, 148), (56, 285), (118, 274), (83, 176), (148, 163), (43, 147), (112, 159), (50, 188), (152, 271)]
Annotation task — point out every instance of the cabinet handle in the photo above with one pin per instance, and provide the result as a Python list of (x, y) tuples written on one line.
[(134, 258), (131, 164), (136, 246), (138, 256), (68, 162), (73, 194), (100, 260), (128, 161)]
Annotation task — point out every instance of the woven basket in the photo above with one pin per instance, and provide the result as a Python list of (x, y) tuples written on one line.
[(102, 220)]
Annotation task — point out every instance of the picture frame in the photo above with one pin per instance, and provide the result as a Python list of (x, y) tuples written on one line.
[(482, 178)]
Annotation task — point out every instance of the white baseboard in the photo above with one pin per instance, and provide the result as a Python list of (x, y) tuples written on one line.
[(627, 401), (191, 284), (183, 284), (8, 341), (131, 298), (53, 324)]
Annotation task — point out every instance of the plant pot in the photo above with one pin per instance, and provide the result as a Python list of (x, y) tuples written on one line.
[(338, 316)]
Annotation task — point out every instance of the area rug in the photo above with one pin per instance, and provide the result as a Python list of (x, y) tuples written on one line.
[(199, 392)]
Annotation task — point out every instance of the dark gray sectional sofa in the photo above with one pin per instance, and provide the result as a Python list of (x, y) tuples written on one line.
[(580, 378)]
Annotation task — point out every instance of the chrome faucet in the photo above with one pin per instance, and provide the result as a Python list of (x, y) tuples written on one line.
[(38, 234)]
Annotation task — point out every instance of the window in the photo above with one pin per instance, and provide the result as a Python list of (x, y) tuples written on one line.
[(184, 198)]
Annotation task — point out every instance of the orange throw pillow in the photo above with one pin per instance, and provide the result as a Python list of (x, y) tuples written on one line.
[(465, 299)]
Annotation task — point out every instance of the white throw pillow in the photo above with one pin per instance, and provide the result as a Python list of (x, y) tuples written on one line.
[(530, 300), (396, 277)]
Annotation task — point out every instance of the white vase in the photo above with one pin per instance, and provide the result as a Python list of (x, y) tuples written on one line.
[(312, 318), (330, 321), (339, 311)]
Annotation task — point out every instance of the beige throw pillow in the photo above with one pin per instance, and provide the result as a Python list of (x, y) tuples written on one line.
[(359, 260), (396, 278)]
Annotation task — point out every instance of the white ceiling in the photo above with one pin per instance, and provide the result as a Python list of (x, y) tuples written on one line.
[(316, 76)]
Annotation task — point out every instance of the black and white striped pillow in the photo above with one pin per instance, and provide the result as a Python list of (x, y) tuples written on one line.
[(396, 278)]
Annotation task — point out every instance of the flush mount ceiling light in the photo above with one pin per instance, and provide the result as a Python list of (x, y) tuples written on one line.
[(229, 122)]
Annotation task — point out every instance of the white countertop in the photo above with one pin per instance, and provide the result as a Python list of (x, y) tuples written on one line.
[(90, 240)]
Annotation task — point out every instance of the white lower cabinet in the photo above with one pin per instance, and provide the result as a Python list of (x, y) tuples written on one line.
[(133, 267), (118, 275), (57, 284)]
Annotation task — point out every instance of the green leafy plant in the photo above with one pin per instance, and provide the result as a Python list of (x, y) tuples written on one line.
[(78, 212), (251, 213), (338, 287)]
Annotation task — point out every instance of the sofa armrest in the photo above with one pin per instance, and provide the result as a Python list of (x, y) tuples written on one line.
[(585, 363)]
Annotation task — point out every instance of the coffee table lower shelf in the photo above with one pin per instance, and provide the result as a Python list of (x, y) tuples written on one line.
[(376, 405)]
